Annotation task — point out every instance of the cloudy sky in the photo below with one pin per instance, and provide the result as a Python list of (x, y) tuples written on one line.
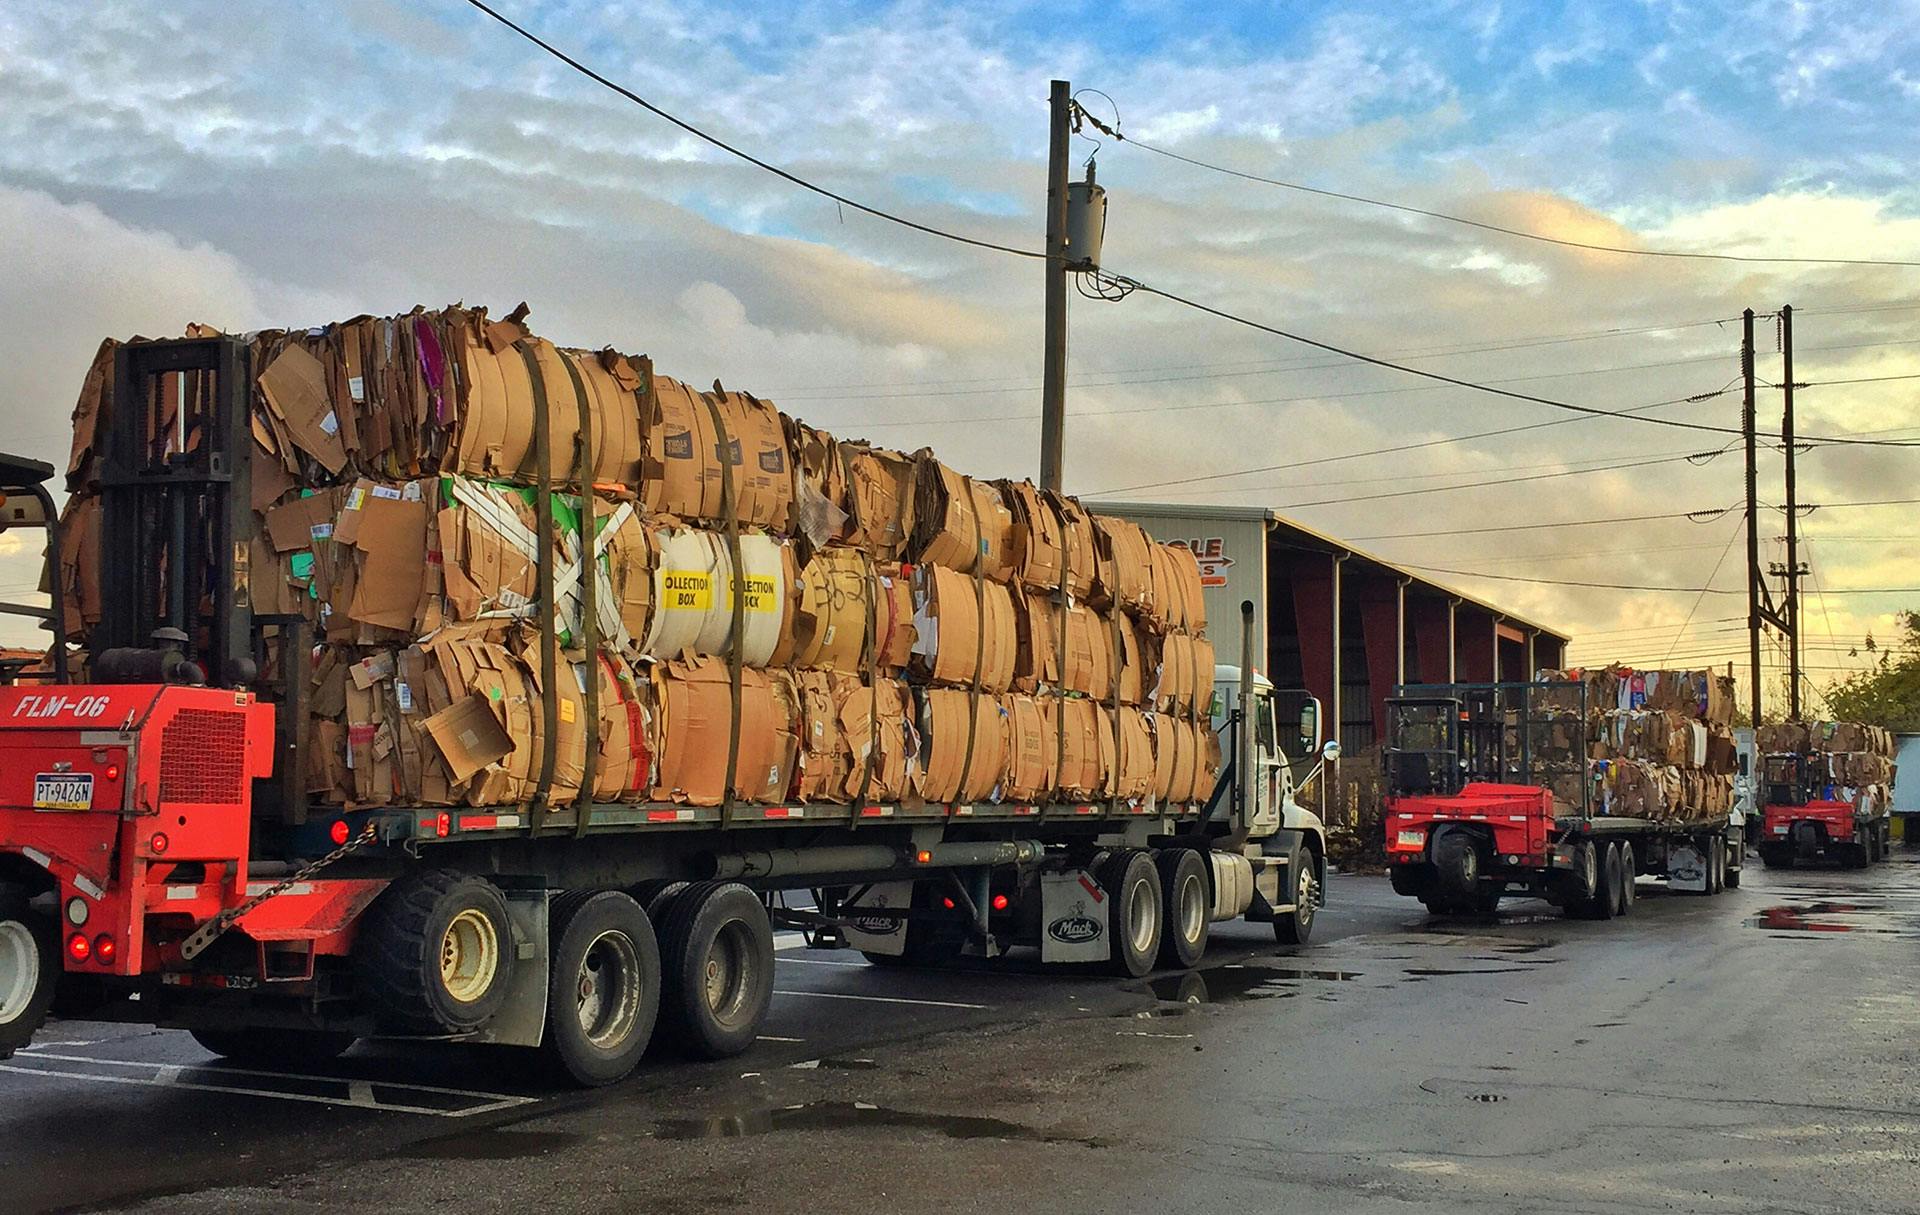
[(247, 164)]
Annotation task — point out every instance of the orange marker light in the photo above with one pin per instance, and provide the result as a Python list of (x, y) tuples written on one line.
[(923, 857)]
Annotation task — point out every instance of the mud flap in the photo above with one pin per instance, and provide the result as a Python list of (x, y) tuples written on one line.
[(522, 1019), (1686, 869), (1073, 918), (881, 934)]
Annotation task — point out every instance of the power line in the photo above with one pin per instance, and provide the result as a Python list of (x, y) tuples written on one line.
[(1715, 573), (1501, 484), (1374, 360), (751, 159), (1405, 208), (1622, 586), (1705, 516), (1400, 447)]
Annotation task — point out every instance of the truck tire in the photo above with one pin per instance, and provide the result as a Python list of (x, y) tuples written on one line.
[(603, 986), (1775, 856), (1628, 894), (29, 968), (1134, 918), (1606, 893), (1186, 899), (435, 953), (1296, 926), (654, 896), (275, 1049), (717, 954), (1456, 861), (1409, 880), (1732, 869), (1580, 884)]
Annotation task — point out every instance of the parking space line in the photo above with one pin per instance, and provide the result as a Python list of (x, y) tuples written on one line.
[(169, 1074), (843, 995), (822, 962), (155, 1081)]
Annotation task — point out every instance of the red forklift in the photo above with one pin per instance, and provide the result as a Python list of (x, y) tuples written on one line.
[(1490, 795), (1802, 820)]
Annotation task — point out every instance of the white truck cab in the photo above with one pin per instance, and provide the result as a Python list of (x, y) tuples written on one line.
[(1285, 843)]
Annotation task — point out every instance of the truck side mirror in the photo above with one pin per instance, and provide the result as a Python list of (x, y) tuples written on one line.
[(1331, 752), (1310, 725)]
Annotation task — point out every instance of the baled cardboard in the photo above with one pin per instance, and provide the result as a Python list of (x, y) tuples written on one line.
[(468, 735), (1037, 539), (835, 593), (1033, 758), (963, 628), (1127, 562), (295, 387), (964, 745), (696, 706), (880, 483)]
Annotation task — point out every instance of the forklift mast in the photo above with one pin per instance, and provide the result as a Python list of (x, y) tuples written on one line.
[(176, 524)]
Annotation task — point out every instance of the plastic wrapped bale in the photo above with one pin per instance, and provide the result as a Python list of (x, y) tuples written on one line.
[(963, 753), (964, 629)]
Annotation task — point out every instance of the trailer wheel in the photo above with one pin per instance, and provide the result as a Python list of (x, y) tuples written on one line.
[(1735, 852), (1627, 892), (1606, 894), (29, 969), (603, 988), (1579, 885), (717, 946), (1296, 926), (1776, 857), (1134, 918), (275, 1049), (653, 897), (436, 952), (1187, 902)]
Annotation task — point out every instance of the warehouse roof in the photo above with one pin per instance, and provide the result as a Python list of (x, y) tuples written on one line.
[(1291, 533)]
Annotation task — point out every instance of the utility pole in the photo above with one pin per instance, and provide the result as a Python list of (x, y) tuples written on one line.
[(1793, 527), (1053, 379), (1753, 519)]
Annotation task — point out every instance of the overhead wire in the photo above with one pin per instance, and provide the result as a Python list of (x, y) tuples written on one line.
[(1502, 229), (1701, 598)]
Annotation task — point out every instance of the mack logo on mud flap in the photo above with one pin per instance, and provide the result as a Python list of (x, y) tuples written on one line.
[(877, 925), (54, 706), (1074, 929)]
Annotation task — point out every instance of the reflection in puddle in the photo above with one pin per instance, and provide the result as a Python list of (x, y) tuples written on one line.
[(1227, 983), (852, 1115), (1859, 915)]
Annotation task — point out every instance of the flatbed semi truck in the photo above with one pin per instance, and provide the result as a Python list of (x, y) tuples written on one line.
[(160, 861), (1490, 796)]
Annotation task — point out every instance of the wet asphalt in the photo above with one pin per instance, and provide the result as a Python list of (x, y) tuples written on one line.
[(1754, 1051)]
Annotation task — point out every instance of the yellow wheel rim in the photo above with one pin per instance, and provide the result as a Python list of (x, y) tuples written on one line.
[(469, 956)]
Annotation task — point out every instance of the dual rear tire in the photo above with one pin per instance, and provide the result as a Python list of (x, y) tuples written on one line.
[(29, 968)]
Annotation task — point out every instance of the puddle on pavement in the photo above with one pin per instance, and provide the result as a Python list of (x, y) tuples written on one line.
[(851, 1065), (1431, 972), (492, 1145), (1871, 916), (1229, 983), (853, 1115)]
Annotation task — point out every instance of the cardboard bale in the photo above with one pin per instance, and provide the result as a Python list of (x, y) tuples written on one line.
[(681, 474), (754, 444), (1036, 661), (1086, 745), (821, 761), (963, 752), (837, 591), (959, 522), (1033, 758), (880, 484), (1169, 608), (877, 726), (1127, 562), (1089, 651), (822, 508), (1037, 539), (893, 619), (1133, 769), (964, 629), (1078, 545), (695, 704)]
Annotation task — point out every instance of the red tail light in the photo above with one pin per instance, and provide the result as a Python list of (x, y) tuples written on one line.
[(113, 771), (442, 825), (104, 949), (1000, 902), (948, 903), (79, 948), (158, 843), (338, 832)]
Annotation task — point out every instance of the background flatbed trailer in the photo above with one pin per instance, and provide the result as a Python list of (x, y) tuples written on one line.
[(1489, 795)]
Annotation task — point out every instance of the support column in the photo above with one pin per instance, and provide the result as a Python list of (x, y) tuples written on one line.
[(1453, 641)]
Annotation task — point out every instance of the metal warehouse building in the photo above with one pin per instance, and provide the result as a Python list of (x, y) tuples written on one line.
[(1342, 624)]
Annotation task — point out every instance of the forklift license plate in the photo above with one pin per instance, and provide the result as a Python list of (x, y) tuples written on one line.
[(1412, 839), (63, 791)]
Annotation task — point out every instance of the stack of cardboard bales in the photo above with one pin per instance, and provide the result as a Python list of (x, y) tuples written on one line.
[(895, 630), (1855, 759), (1659, 743)]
